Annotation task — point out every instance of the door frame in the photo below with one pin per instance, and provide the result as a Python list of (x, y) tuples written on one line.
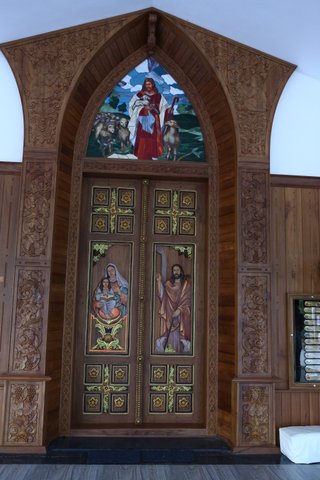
[(157, 169)]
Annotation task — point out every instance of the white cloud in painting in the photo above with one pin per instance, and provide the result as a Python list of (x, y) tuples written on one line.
[(168, 79), (143, 67), (176, 91), (125, 82), (136, 88)]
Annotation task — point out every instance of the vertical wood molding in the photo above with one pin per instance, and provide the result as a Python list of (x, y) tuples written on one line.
[(9, 208)]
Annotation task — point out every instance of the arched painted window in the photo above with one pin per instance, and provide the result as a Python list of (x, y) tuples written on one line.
[(147, 116)]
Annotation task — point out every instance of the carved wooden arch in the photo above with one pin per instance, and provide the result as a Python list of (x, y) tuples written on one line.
[(172, 43), (120, 53), (112, 79)]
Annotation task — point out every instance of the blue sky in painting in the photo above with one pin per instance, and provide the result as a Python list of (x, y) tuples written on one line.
[(133, 81)]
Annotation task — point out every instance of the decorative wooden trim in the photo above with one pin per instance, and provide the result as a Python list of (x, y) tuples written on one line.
[(10, 168), (136, 432), (150, 168), (294, 181), (152, 39), (69, 307), (212, 307), (24, 378), (141, 303)]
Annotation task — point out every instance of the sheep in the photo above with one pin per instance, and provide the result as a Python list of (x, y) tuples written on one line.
[(105, 135), (171, 139), (123, 134)]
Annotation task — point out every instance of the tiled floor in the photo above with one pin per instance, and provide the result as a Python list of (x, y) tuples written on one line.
[(160, 472), (149, 458)]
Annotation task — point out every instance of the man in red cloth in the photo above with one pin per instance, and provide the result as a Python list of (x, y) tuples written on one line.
[(175, 313), (147, 111)]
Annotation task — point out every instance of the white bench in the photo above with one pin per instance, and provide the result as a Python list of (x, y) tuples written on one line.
[(301, 444)]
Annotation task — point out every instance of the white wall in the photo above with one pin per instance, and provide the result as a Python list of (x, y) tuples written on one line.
[(11, 115), (295, 135)]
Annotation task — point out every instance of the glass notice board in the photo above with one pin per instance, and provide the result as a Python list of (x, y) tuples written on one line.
[(304, 330)]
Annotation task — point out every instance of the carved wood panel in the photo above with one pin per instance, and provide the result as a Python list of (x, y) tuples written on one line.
[(29, 327), (254, 218), (47, 68), (254, 82), (255, 423), (254, 331), (23, 420)]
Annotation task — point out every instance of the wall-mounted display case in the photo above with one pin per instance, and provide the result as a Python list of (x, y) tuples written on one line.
[(304, 332)]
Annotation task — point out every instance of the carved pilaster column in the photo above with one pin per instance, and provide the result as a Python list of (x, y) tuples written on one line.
[(254, 385), (24, 382)]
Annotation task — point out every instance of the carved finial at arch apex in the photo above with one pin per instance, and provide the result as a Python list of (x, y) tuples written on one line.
[(152, 39)]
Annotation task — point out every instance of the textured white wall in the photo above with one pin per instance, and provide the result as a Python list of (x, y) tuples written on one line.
[(295, 135), (11, 115)]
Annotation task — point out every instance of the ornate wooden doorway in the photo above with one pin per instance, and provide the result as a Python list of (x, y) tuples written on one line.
[(141, 319)]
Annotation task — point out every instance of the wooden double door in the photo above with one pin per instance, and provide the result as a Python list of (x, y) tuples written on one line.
[(141, 319)]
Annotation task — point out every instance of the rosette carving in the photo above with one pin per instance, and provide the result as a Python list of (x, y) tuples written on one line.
[(29, 321), (23, 418), (36, 209)]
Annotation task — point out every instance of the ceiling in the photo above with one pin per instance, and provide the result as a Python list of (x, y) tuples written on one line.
[(287, 29)]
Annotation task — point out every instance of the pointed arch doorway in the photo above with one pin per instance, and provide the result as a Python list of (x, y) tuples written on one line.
[(216, 120), (141, 304)]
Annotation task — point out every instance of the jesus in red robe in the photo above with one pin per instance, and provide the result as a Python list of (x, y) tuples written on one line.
[(147, 111)]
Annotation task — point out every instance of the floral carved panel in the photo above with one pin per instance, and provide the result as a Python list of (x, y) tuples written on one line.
[(254, 328), (38, 191), (253, 81), (23, 419), (30, 312), (47, 67), (253, 218), (256, 411)]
